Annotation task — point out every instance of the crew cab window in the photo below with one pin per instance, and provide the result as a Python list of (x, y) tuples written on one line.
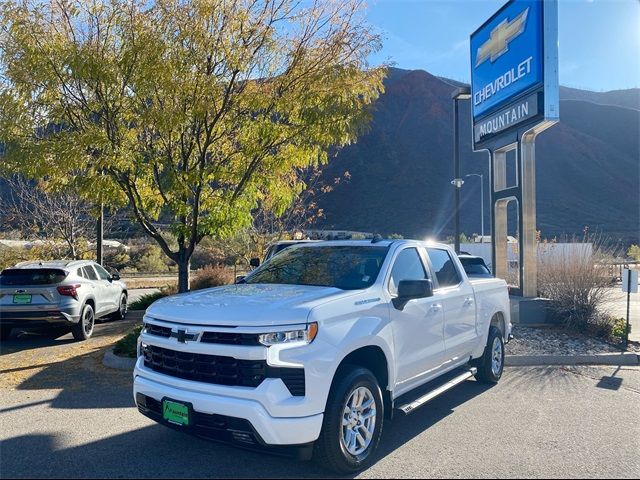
[(407, 266), (444, 268), (89, 273), (104, 275)]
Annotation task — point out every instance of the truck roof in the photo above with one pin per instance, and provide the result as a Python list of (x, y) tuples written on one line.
[(369, 242)]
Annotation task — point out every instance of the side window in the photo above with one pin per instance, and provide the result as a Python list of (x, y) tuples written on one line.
[(89, 272), (407, 266), (80, 273), (444, 268), (104, 275)]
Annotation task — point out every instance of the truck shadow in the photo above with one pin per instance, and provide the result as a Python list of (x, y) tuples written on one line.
[(156, 451), (81, 382)]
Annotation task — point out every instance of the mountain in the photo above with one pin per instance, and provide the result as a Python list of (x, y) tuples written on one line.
[(587, 165)]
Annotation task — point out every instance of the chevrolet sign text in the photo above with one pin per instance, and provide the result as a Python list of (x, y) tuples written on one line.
[(504, 80)]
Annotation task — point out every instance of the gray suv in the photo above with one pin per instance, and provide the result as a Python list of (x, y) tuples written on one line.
[(58, 294)]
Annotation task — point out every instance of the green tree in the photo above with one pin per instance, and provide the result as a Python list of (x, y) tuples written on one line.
[(634, 252), (188, 112)]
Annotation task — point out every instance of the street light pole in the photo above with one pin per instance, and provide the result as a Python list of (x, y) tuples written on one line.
[(481, 199), (461, 93)]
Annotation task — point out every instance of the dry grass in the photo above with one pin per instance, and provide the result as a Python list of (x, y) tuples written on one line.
[(578, 285), (212, 276)]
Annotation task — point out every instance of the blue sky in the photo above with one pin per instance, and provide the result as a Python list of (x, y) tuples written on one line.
[(599, 39)]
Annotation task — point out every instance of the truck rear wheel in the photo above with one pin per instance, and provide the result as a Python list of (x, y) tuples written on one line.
[(353, 420), (491, 364)]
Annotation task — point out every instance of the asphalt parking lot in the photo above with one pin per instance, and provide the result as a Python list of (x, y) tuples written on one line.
[(63, 414)]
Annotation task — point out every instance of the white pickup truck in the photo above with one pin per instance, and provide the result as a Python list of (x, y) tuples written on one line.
[(314, 350)]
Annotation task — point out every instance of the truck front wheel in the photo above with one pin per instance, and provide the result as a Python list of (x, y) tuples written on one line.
[(491, 363), (352, 423)]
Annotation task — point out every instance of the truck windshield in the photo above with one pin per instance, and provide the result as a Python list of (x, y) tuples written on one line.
[(346, 267)]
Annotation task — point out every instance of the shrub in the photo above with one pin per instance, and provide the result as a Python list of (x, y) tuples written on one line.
[(203, 256), (117, 259), (126, 346), (211, 276), (150, 259), (577, 283), (619, 328), (144, 301)]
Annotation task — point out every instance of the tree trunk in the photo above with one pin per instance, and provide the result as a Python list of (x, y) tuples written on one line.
[(184, 265)]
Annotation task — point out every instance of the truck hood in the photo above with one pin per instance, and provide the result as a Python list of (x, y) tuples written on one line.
[(245, 305)]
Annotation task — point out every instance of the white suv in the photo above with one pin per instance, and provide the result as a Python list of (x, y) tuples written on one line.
[(58, 294)]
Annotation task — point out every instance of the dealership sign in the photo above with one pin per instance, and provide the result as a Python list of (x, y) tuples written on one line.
[(514, 71)]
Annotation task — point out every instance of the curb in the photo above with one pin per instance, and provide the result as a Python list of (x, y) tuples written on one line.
[(615, 359), (111, 360)]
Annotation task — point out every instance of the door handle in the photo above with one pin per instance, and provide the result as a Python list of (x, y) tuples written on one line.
[(468, 301), (435, 308)]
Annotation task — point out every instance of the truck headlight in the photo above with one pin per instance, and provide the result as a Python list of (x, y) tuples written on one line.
[(304, 336)]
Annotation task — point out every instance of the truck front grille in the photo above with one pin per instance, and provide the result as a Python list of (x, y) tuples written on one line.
[(226, 338), (220, 370), (205, 368)]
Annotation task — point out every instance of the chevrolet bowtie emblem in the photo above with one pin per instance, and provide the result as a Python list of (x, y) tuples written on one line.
[(183, 337), (500, 37)]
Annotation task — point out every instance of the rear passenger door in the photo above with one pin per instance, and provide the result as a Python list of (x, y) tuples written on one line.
[(454, 292), (417, 328)]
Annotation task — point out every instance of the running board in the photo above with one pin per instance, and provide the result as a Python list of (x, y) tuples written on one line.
[(417, 403)]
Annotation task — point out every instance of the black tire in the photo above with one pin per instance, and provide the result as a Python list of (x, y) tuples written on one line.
[(122, 309), (84, 328), (5, 333), (331, 451), (488, 372)]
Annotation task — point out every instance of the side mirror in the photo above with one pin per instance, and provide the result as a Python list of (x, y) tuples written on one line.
[(254, 262), (240, 278), (410, 290), (115, 276)]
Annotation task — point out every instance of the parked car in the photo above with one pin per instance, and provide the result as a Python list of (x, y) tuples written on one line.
[(474, 266), (317, 346), (35, 295)]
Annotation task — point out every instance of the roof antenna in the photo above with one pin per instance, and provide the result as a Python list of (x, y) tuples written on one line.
[(377, 238)]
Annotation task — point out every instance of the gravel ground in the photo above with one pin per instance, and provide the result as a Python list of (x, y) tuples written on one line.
[(555, 341)]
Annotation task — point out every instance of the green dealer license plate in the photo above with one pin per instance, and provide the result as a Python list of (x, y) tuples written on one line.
[(175, 412), (22, 298)]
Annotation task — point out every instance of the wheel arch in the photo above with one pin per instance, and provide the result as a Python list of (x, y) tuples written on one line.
[(374, 359), (498, 321)]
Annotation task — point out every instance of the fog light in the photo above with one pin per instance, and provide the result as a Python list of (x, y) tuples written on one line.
[(242, 437)]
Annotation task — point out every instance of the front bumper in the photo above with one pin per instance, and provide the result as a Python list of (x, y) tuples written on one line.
[(219, 416)]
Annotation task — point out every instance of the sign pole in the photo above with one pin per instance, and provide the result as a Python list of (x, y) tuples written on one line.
[(626, 331)]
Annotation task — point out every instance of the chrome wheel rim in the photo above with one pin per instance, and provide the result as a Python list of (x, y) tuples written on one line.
[(123, 306), (496, 356), (358, 421), (87, 321)]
